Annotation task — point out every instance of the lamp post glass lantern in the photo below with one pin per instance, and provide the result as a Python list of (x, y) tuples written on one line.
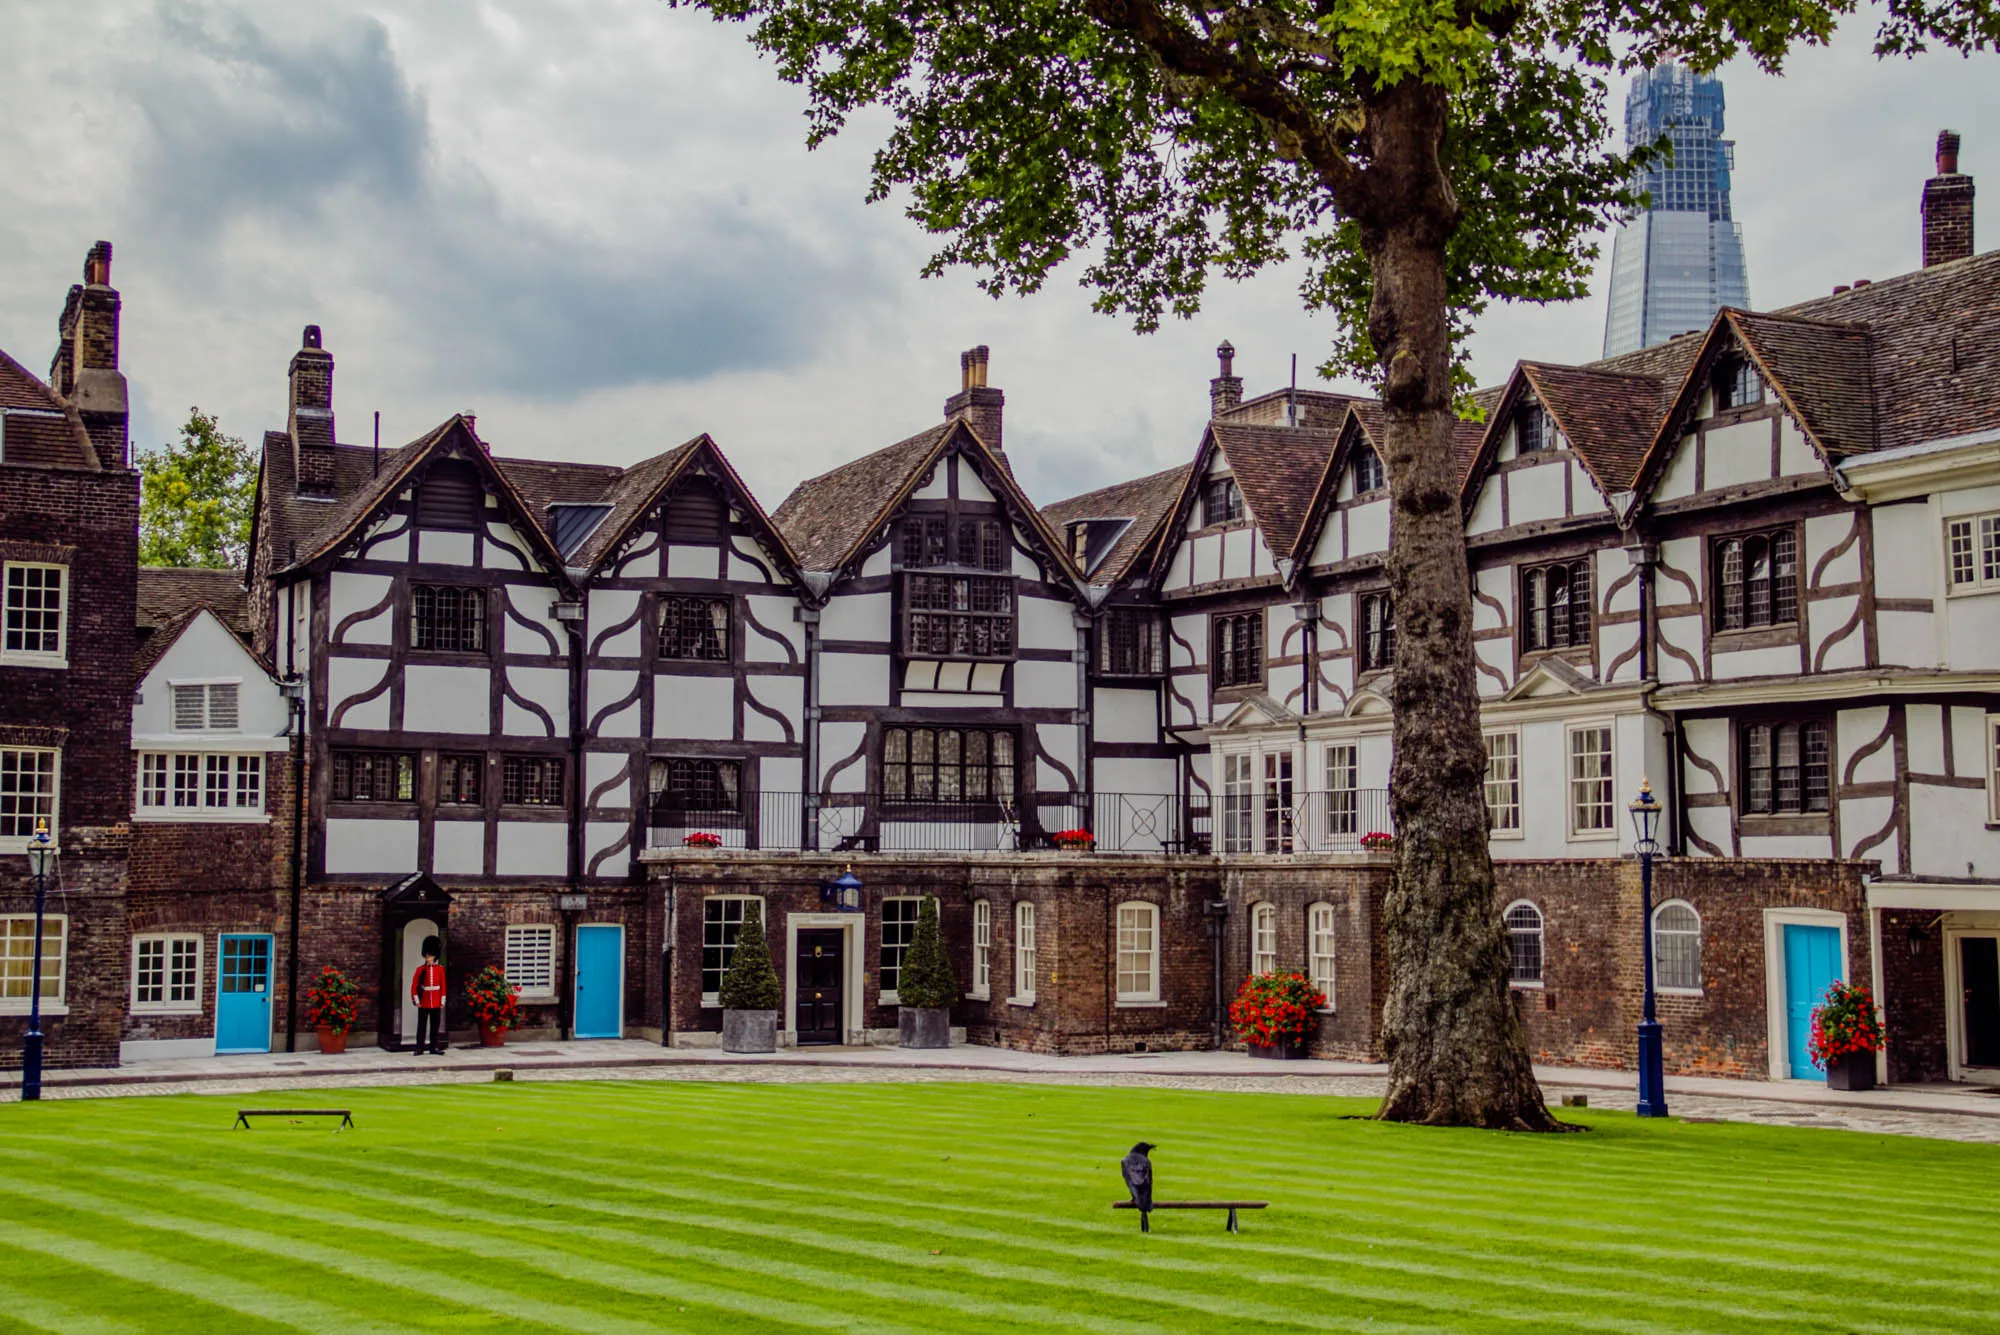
[(1645, 811), (843, 892), (41, 858)]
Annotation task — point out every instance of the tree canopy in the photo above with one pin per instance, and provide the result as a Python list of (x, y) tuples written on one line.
[(196, 497)]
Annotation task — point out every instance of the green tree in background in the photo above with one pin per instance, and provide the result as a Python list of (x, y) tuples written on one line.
[(1426, 157), (196, 496)]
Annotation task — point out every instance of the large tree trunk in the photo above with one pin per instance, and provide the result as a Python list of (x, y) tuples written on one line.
[(1457, 1053)]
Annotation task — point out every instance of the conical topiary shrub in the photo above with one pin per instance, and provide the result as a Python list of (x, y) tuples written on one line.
[(926, 987), (750, 983)]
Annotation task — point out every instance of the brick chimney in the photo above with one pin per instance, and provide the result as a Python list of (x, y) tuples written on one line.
[(85, 369), (976, 401), (310, 421), (1947, 207), (1226, 390)]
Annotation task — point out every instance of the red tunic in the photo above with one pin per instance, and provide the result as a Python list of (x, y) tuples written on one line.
[(427, 987)]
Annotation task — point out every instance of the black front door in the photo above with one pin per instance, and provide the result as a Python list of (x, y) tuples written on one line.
[(818, 973), (1979, 975)]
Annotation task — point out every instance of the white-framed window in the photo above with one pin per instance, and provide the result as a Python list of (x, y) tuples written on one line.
[(166, 972), (1503, 784), (1024, 952), (33, 620), (1263, 938), (1238, 795), (1972, 553), (206, 706), (1524, 944), (1343, 789), (530, 961), (1321, 939), (17, 960), (1592, 813), (186, 785), (1677, 947), (721, 920), (1993, 767), (982, 949), (28, 784), (1138, 952), (899, 928)]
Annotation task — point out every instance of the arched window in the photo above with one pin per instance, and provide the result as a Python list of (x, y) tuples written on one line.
[(1320, 943), (1138, 952), (1677, 946), (1524, 942), (1263, 939), (1368, 474)]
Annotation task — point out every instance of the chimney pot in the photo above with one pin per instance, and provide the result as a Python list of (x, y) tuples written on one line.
[(979, 406), (97, 265), (1839, 288), (311, 339), (1863, 282), (1947, 153), (1947, 207), (1226, 390)]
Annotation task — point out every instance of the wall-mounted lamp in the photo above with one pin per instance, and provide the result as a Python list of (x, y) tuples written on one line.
[(843, 892)]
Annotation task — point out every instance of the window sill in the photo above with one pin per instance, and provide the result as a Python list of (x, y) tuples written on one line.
[(549, 999), (1679, 992), (1815, 823), (49, 1008), (193, 1008), (1781, 635), (711, 1000), (891, 999), (1142, 1005), (20, 844), (1591, 836), (54, 662), (1025, 1003), (1506, 834), (1522, 985), (170, 816), (979, 996)]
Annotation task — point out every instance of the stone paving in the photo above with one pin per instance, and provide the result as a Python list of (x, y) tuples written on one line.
[(1949, 1112)]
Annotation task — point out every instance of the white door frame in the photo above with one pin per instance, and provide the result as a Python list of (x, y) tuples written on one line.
[(574, 975), (1778, 1039), (1954, 1007), (851, 944), (411, 954)]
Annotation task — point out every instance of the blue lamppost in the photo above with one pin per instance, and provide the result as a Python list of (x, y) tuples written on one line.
[(1652, 1067), (41, 856)]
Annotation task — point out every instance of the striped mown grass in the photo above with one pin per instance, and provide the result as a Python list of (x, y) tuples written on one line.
[(705, 1207)]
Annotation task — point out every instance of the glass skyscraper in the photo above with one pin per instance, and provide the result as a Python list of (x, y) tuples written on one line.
[(1676, 262)]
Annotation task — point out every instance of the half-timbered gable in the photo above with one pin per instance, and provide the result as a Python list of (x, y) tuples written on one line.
[(950, 648), (694, 720)]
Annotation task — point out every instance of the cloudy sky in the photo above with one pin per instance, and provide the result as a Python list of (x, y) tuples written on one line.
[(593, 222)]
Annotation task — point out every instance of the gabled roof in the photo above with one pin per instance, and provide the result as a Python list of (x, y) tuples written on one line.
[(1146, 501), (828, 518), (640, 488), (1364, 424), (153, 647), (1608, 418), (167, 593), (1275, 468), (1823, 372), (40, 428)]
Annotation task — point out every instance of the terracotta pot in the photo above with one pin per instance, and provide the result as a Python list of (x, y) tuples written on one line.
[(331, 1042), (489, 1037)]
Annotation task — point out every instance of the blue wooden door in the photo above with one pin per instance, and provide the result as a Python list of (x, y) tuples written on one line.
[(600, 981), (243, 994), (1812, 961)]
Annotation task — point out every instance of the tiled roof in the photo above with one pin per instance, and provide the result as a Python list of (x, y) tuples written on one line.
[(827, 517), (299, 524), (628, 492), (1276, 468), (1608, 418), (31, 436), (1824, 372), (169, 592), (1146, 501)]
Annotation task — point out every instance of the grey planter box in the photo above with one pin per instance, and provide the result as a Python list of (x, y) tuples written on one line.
[(749, 1031), (918, 1028)]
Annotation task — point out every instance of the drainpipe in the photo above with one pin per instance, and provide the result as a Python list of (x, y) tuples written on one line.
[(1217, 913), (1642, 552), (667, 967), (809, 797), (569, 612), (294, 692), (1085, 761)]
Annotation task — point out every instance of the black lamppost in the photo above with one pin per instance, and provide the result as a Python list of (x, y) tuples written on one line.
[(41, 855), (1652, 1070)]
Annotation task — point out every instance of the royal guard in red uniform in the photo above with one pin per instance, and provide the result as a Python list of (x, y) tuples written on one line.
[(427, 990)]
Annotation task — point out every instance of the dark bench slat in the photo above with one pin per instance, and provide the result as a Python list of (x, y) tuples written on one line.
[(1145, 1221), (243, 1115)]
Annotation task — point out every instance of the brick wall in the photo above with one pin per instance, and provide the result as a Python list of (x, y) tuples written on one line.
[(89, 889), (1913, 997)]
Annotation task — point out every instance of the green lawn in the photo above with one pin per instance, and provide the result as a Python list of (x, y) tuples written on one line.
[(951, 1207)]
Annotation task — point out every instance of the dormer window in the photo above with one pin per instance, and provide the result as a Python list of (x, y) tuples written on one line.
[(1368, 474), (1533, 429), (1221, 502), (1737, 384)]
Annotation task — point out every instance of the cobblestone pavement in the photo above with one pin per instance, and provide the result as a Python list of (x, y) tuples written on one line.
[(1691, 1107)]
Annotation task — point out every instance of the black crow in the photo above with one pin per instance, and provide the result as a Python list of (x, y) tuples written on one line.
[(1138, 1171)]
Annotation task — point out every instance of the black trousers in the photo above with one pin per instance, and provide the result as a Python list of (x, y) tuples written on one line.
[(430, 1028)]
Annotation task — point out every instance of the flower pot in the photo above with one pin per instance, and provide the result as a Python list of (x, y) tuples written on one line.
[(922, 1027), (749, 1031), (489, 1037), (1290, 1050), (331, 1042), (1853, 1071)]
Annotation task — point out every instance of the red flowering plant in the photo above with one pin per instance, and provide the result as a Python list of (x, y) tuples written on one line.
[(1844, 1023), (493, 1000), (1083, 839), (333, 1002), (1378, 839), (701, 839), (1275, 1009)]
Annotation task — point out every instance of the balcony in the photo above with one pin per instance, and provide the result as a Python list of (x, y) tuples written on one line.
[(1155, 823)]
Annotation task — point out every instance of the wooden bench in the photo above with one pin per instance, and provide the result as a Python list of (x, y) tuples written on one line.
[(243, 1115), (1145, 1225)]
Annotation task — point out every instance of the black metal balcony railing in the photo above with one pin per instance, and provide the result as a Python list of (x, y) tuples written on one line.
[(1114, 822)]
